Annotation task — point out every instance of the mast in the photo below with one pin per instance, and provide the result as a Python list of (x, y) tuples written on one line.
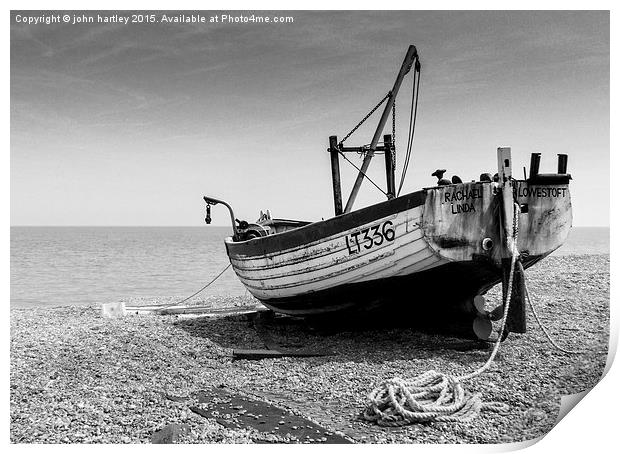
[(410, 57)]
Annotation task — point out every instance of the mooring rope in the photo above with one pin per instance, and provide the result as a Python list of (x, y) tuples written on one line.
[(435, 396), (542, 326), (196, 293)]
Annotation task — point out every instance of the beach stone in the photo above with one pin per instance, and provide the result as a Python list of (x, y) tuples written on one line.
[(169, 434), (176, 398)]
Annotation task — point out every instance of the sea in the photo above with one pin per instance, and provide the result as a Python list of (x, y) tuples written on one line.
[(53, 266)]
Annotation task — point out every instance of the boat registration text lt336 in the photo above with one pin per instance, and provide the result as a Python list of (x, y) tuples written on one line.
[(372, 236)]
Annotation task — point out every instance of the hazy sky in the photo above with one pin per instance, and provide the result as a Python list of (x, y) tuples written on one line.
[(115, 124)]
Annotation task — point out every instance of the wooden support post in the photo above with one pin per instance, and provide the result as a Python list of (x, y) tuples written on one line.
[(516, 318), (333, 151), (504, 170), (389, 166), (534, 165), (516, 315), (562, 163)]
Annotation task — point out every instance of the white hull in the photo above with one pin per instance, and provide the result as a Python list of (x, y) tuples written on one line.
[(329, 262)]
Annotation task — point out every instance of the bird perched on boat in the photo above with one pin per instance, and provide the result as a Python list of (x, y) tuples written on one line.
[(456, 179), (441, 181)]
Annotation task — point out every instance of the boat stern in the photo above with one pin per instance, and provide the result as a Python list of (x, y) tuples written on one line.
[(546, 215)]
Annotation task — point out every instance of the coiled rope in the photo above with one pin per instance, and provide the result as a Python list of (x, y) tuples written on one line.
[(435, 396)]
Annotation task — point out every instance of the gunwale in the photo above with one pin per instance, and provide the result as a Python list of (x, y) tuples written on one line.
[(316, 231)]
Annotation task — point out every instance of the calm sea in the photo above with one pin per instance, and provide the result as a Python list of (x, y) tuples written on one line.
[(77, 265)]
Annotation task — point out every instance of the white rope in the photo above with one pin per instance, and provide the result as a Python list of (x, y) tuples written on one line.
[(435, 396)]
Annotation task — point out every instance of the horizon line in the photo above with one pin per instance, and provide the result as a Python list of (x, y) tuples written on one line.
[(197, 226)]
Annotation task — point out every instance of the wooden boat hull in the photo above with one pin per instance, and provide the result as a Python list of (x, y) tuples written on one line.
[(408, 252), (447, 288)]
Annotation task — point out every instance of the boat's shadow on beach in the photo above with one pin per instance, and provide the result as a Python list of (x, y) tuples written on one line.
[(359, 339)]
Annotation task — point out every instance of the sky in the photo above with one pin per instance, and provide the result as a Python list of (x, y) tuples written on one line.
[(131, 124)]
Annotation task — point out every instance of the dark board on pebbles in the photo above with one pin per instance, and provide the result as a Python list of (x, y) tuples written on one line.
[(235, 411)]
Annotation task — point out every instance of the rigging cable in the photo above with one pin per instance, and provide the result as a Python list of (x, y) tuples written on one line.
[(360, 171), (389, 94), (415, 91)]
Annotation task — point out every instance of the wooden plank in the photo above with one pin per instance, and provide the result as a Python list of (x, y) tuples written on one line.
[(257, 354), (210, 310), (206, 310)]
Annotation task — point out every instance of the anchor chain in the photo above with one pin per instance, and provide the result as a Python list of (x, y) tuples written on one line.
[(392, 150), (365, 118)]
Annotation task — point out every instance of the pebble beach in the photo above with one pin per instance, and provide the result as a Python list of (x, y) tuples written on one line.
[(77, 377)]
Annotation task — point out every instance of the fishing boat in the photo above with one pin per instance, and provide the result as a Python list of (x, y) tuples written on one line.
[(442, 245)]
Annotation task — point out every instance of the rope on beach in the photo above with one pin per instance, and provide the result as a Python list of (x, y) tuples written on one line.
[(431, 396), (194, 294), (435, 396), (542, 326)]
